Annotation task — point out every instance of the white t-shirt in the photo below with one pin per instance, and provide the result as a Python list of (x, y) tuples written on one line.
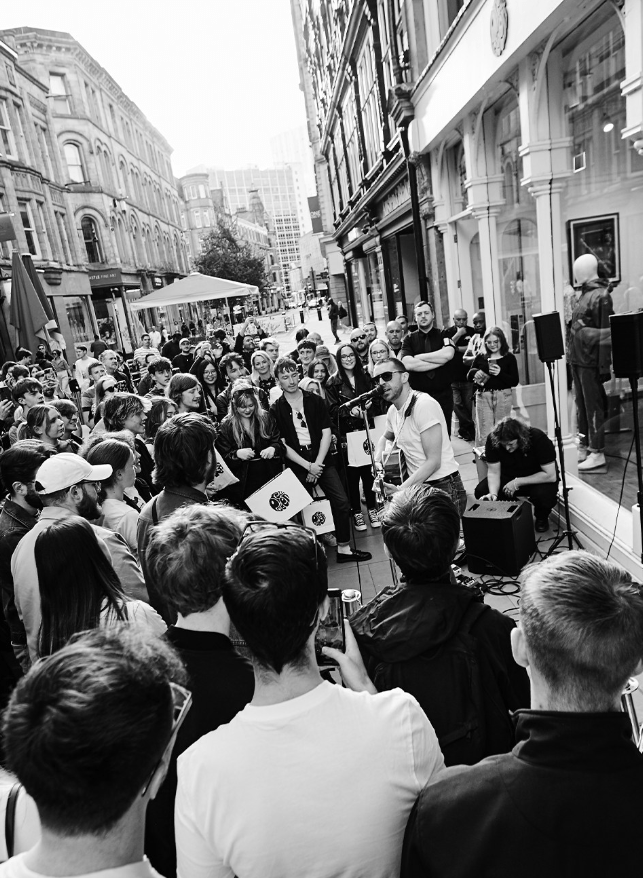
[(426, 412), (139, 614), (15, 868), (318, 786), (122, 519)]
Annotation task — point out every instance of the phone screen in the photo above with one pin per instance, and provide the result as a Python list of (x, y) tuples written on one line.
[(5, 394), (331, 629)]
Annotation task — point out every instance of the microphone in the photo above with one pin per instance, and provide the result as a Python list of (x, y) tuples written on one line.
[(376, 391)]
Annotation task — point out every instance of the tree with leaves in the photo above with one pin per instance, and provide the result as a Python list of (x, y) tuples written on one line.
[(225, 254)]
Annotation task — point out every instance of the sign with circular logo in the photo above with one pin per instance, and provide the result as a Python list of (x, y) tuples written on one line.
[(499, 26), (279, 501), (366, 448), (219, 469)]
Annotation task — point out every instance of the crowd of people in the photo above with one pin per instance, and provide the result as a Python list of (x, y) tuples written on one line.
[(168, 713)]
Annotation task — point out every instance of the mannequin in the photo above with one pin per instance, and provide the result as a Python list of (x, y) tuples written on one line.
[(590, 354)]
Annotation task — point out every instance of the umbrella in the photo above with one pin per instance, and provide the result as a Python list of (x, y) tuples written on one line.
[(52, 330), (27, 314)]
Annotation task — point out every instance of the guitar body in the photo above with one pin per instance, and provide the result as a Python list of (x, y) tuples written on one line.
[(395, 471)]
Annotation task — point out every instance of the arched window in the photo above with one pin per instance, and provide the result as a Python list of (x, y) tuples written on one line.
[(91, 239), (177, 250), (139, 252), (121, 239), (106, 168), (74, 161), (124, 183)]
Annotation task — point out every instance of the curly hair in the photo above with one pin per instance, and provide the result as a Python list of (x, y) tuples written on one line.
[(119, 407), (508, 430)]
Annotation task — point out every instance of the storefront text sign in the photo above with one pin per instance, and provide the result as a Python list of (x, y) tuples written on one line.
[(399, 196), (105, 277)]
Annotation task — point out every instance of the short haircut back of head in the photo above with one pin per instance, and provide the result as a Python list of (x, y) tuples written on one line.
[(181, 448)]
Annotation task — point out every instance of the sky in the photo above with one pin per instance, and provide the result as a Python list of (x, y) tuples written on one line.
[(217, 78)]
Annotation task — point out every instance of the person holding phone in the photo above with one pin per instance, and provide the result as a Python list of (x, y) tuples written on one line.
[(283, 782), (493, 373)]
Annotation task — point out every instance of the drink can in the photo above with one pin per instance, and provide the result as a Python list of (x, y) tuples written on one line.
[(351, 601)]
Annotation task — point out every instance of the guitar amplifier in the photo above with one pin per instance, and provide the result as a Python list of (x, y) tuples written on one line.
[(499, 536)]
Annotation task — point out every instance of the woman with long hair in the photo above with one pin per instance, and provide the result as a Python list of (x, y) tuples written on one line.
[(79, 588), (161, 409), (186, 393), (494, 372), (43, 423), (262, 375), (320, 372), (72, 431), (351, 381), (377, 353), (105, 387), (249, 442), (207, 373), (118, 515)]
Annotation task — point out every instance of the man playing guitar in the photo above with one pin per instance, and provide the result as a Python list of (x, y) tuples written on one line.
[(415, 425)]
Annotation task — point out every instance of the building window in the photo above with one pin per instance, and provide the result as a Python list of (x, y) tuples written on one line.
[(184, 224), (29, 228), (197, 218), (5, 248), (58, 91), (20, 129), (206, 218), (74, 163), (46, 249), (122, 168), (10, 74), (370, 105), (7, 140), (202, 191), (91, 239)]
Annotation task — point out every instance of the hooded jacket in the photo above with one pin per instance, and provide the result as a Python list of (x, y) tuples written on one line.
[(402, 624), (590, 340)]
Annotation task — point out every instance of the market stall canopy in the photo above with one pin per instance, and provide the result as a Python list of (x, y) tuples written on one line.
[(194, 288)]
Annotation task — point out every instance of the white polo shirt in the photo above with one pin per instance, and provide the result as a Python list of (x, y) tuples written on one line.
[(426, 413)]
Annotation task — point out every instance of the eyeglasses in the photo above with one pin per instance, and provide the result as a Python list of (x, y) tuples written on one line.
[(301, 420), (387, 376), (181, 703), (358, 337), (350, 356)]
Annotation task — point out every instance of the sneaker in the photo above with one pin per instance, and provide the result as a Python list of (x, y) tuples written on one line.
[(582, 453), (353, 555), (594, 460), (358, 521), (374, 518), (542, 525)]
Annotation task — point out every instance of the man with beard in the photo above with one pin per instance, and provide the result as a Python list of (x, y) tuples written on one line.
[(359, 340), (18, 468), (67, 485), (185, 463), (109, 359)]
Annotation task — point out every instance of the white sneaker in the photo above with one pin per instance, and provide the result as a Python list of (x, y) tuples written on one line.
[(358, 521), (582, 453), (594, 460), (374, 518)]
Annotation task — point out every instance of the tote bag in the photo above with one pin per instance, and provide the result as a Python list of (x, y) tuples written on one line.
[(318, 515), (223, 476), (357, 443)]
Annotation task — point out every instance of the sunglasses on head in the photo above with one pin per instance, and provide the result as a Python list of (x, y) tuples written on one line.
[(259, 526), (387, 376)]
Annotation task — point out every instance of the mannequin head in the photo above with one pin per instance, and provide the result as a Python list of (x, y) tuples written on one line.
[(585, 268)]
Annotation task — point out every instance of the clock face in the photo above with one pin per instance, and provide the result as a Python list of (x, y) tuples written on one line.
[(498, 26)]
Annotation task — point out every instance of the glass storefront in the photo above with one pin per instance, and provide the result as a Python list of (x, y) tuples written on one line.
[(602, 211)]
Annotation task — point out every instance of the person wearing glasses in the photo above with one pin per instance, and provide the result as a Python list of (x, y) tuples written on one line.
[(187, 555), (305, 427), (311, 778), (416, 427), (350, 381), (115, 702), (360, 341), (428, 357), (67, 485)]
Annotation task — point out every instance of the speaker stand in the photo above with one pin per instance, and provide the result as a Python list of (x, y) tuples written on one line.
[(568, 533), (634, 384)]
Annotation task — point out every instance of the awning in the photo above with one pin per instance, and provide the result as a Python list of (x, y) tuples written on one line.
[(194, 288)]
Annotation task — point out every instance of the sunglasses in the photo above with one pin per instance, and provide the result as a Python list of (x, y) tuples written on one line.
[(181, 703), (301, 420), (387, 376), (358, 338), (258, 525)]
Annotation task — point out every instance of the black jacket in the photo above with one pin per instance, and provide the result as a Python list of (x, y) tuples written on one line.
[(223, 401), (564, 803), (401, 624), (15, 522), (251, 473), (317, 419), (339, 392), (590, 343)]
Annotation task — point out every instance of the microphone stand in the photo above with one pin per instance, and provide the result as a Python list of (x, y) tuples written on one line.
[(371, 451), (568, 534)]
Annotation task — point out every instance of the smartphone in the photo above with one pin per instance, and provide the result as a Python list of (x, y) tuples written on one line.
[(5, 442), (74, 386), (5, 394), (331, 629)]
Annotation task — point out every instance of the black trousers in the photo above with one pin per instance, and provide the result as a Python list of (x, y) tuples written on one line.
[(542, 496)]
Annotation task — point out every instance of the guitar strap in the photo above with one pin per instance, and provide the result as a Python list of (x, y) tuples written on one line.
[(403, 467)]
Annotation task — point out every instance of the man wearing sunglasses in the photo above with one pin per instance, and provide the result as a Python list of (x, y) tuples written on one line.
[(304, 424), (114, 702), (415, 425), (309, 779), (360, 341)]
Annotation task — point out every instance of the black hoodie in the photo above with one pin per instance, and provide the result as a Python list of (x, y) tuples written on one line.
[(400, 624)]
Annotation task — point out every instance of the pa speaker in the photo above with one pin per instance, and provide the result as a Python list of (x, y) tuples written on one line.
[(627, 344), (499, 536), (549, 337)]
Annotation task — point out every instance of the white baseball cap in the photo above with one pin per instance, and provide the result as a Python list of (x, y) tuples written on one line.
[(64, 470)]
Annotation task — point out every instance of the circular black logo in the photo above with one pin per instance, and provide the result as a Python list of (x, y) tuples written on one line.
[(318, 519), (219, 469), (279, 501), (366, 448)]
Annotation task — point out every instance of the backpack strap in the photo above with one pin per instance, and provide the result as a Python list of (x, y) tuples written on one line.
[(10, 818), (155, 515)]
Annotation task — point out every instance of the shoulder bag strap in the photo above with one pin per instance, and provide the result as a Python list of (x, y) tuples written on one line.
[(155, 515), (10, 818), (407, 413)]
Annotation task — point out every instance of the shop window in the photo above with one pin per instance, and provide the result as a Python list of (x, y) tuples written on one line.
[(91, 240), (74, 161), (78, 317)]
